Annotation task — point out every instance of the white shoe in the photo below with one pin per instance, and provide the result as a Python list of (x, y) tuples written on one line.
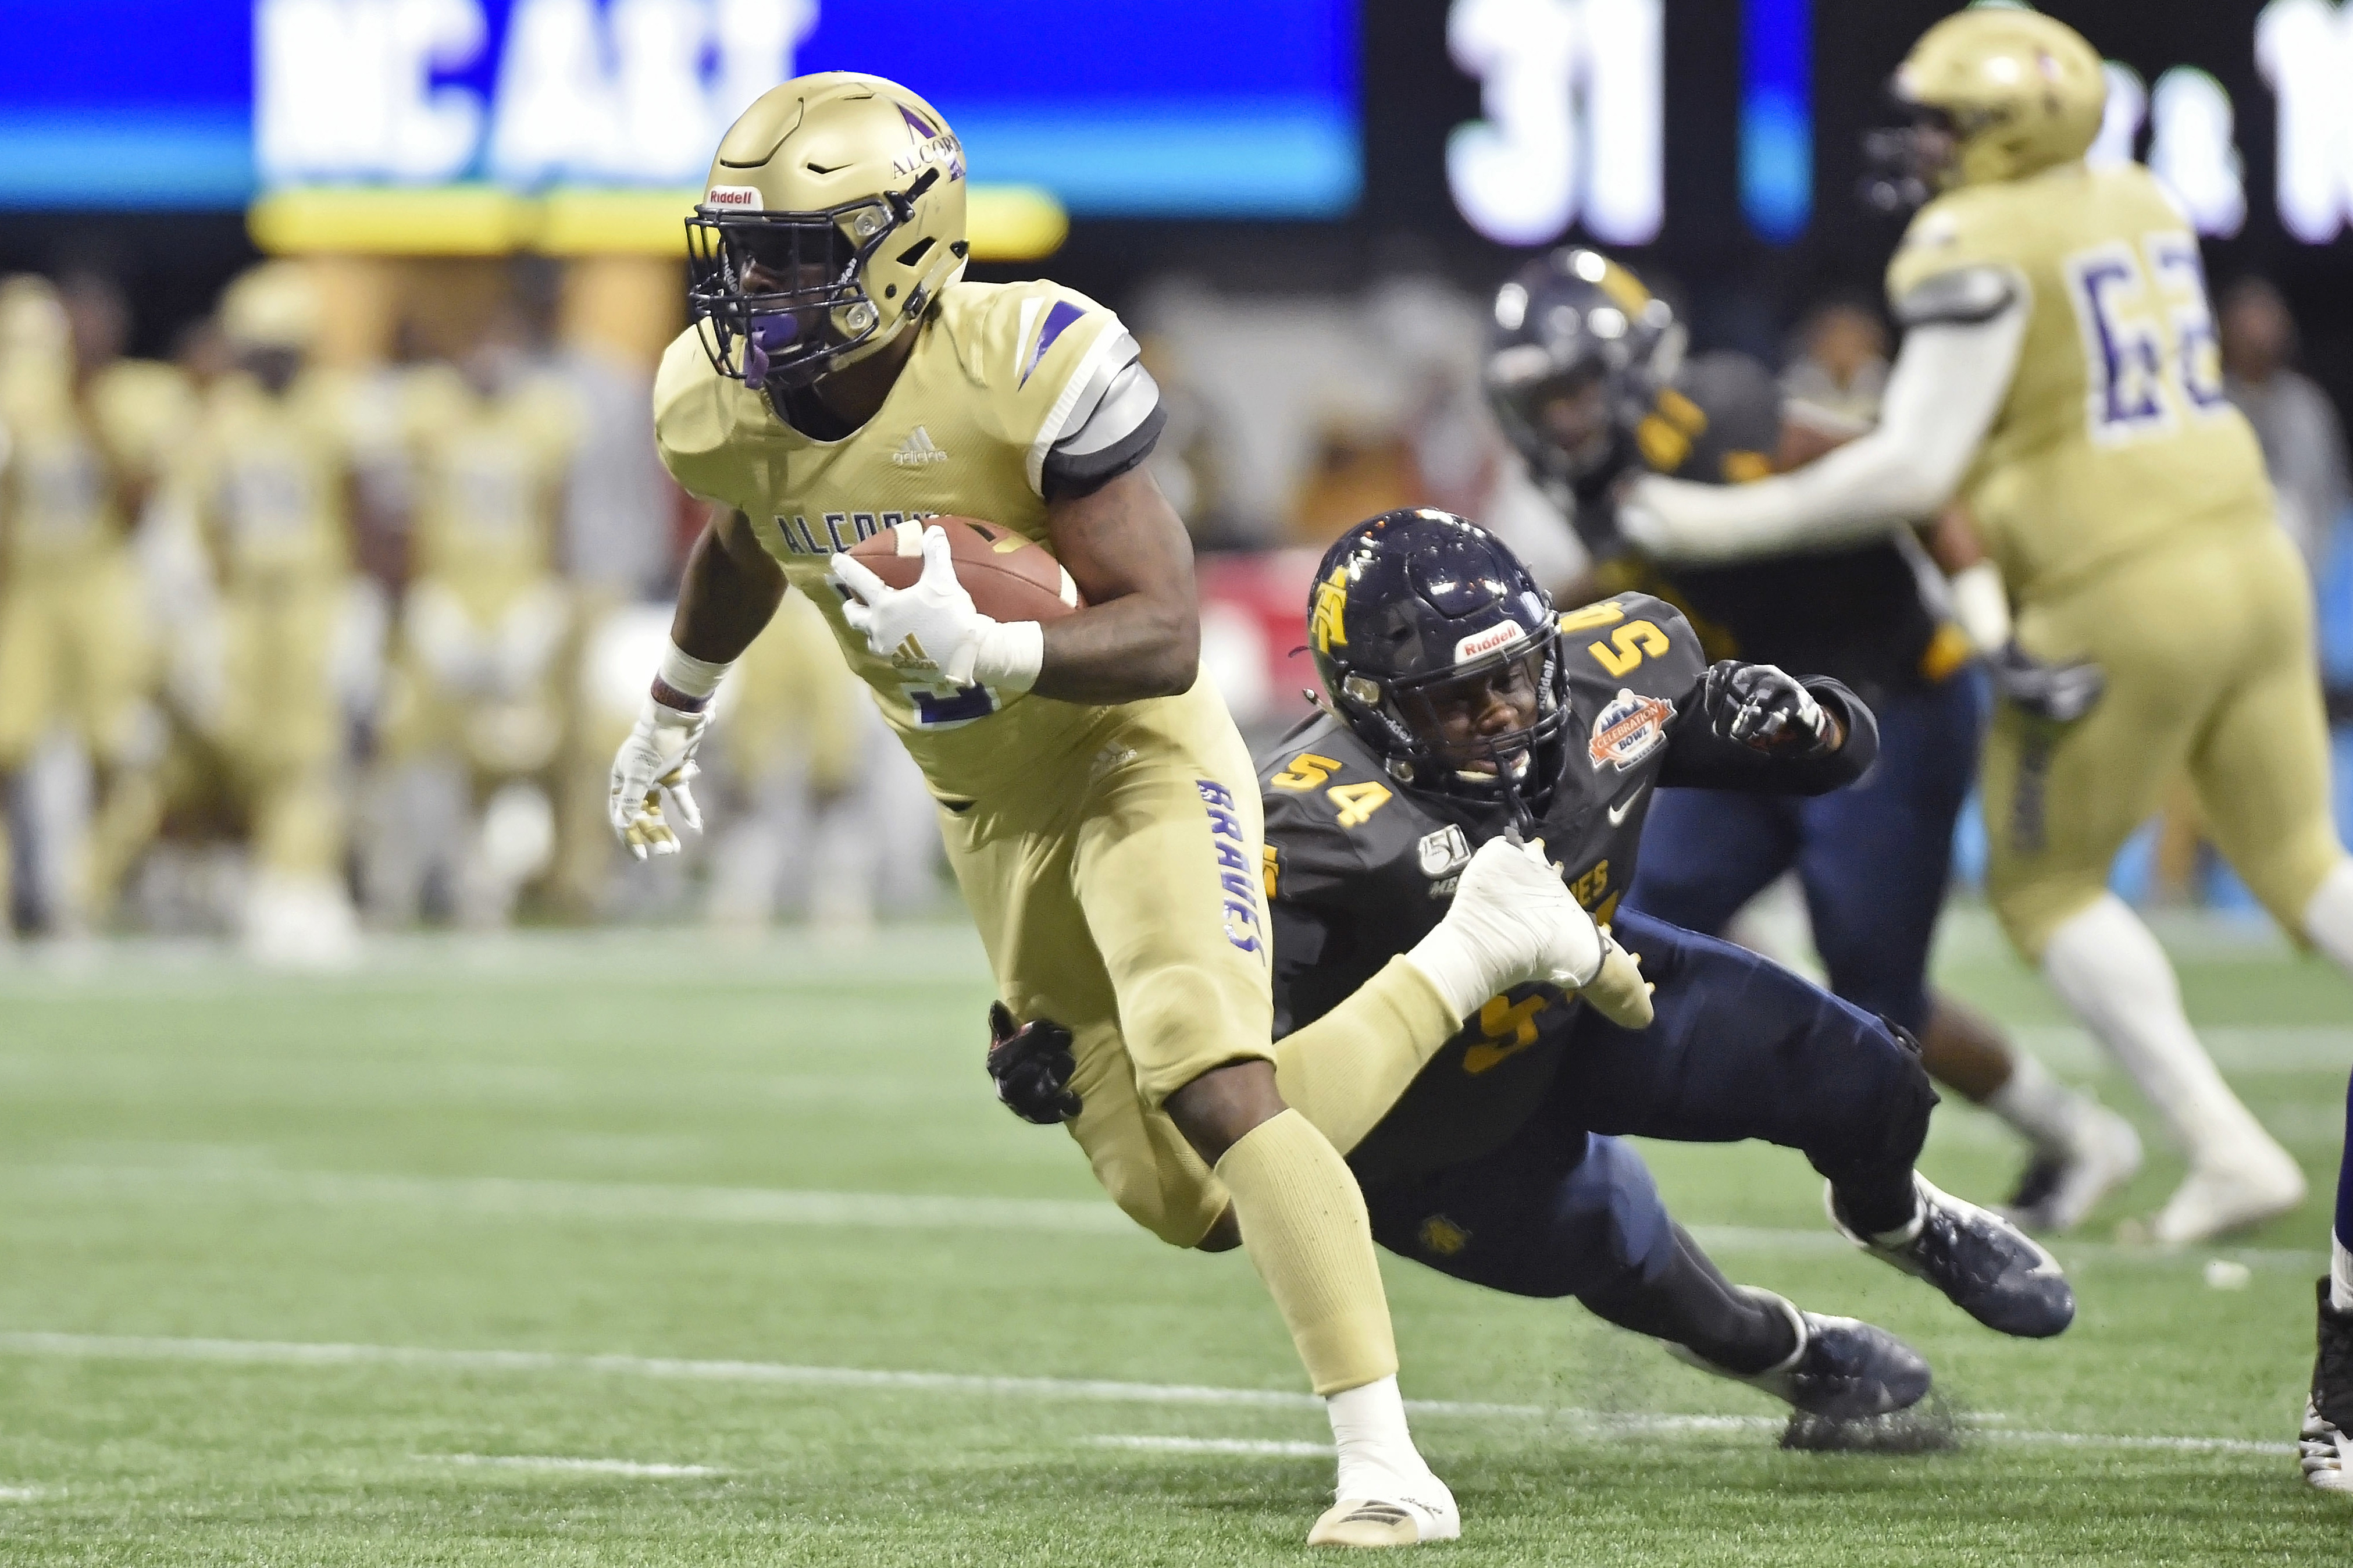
[(300, 922), (2327, 1452), (2058, 1191), (1405, 1514), (2325, 1446), (2256, 1184)]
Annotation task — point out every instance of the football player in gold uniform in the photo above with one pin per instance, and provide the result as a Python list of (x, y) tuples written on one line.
[(82, 433), (476, 712), (1099, 805), (268, 477), (2060, 376)]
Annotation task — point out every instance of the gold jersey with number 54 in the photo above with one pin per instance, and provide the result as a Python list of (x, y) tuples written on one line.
[(2114, 435)]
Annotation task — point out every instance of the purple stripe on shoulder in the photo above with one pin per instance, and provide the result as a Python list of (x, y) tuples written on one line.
[(1058, 321)]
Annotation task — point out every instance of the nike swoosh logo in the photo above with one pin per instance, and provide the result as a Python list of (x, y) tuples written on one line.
[(1617, 812)]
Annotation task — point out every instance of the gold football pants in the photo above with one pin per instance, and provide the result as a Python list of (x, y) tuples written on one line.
[(74, 651), (2207, 648), (1118, 891), (282, 728)]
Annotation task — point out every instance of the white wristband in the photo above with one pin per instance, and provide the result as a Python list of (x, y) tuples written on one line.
[(1982, 606), (1009, 654), (1445, 959), (688, 676)]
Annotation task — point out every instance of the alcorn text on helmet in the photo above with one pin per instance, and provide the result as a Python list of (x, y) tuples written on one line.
[(1994, 93), (833, 217)]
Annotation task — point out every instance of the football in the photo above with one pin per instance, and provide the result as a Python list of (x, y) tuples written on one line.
[(1008, 577)]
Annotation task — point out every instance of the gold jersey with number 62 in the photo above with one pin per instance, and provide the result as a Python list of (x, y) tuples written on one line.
[(2114, 436), (1003, 379)]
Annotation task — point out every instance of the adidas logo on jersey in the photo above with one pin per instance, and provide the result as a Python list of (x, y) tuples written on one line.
[(918, 452)]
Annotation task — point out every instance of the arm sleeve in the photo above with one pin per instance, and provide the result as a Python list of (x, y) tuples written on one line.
[(1699, 759), (1948, 382)]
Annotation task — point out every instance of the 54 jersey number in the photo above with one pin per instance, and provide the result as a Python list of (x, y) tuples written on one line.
[(1356, 802)]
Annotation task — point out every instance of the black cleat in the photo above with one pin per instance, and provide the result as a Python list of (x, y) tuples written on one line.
[(1984, 1264), (2325, 1442), (1842, 1370)]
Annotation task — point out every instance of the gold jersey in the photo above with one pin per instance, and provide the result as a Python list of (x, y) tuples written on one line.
[(489, 476), (270, 478), (2116, 438), (77, 465), (994, 378)]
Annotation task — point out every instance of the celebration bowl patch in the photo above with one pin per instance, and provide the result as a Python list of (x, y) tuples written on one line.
[(1628, 729)]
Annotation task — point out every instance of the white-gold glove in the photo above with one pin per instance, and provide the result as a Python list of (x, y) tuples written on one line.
[(659, 755), (934, 625)]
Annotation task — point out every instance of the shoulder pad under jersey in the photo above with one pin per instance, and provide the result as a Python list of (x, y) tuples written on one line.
[(1726, 409), (1051, 363), (1335, 822), (1632, 661), (696, 411)]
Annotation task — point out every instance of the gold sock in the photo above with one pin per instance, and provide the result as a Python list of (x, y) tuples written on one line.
[(1304, 1226), (1344, 1071)]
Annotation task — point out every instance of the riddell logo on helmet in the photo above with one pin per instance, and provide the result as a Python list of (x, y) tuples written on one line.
[(745, 197), (1487, 641)]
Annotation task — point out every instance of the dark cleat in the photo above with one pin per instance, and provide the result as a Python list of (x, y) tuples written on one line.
[(1842, 1370), (2325, 1442), (1984, 1264)]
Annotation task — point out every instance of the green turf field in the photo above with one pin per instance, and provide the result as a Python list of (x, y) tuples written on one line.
[(487, 1253)]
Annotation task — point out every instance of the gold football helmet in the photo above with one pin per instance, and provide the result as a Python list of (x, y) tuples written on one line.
[(833, 217), (1995, 93), (274, 307)]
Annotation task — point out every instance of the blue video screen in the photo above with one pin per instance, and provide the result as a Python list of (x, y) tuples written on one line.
[(1241, 107)]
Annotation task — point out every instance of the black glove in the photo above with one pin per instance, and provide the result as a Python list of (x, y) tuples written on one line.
[(2059, 692), (1760, 708), (1031, 1065)]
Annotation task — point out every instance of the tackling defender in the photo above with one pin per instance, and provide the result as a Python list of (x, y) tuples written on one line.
[(1585, 371), (841, 378), (1457, 702), (2060, 375)]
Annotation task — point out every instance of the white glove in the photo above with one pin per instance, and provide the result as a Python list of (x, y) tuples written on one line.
[(1512, 920), (935, 626), (658, 755)]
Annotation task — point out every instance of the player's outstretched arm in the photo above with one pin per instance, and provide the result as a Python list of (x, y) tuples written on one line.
[(730, 593), (1949, 381), (1755, 727), (1140, 635)]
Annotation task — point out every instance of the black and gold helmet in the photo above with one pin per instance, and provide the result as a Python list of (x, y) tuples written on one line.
[(1415, 607), (1575, 325)]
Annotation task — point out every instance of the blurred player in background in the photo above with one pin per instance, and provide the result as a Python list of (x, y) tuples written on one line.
[(477, 709), (2060, 373), (794, 753), (270, 480), (841, 380), (1587, 374), (84, 433)]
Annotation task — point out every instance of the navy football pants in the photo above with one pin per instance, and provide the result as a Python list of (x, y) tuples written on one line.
[(1740, 1048), (1873, 857)]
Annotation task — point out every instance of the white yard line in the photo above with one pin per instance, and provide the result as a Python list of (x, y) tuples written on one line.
[(554, 1462), (1262, 1447), (502, 1196), (276, 1352), (22, 1494)]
